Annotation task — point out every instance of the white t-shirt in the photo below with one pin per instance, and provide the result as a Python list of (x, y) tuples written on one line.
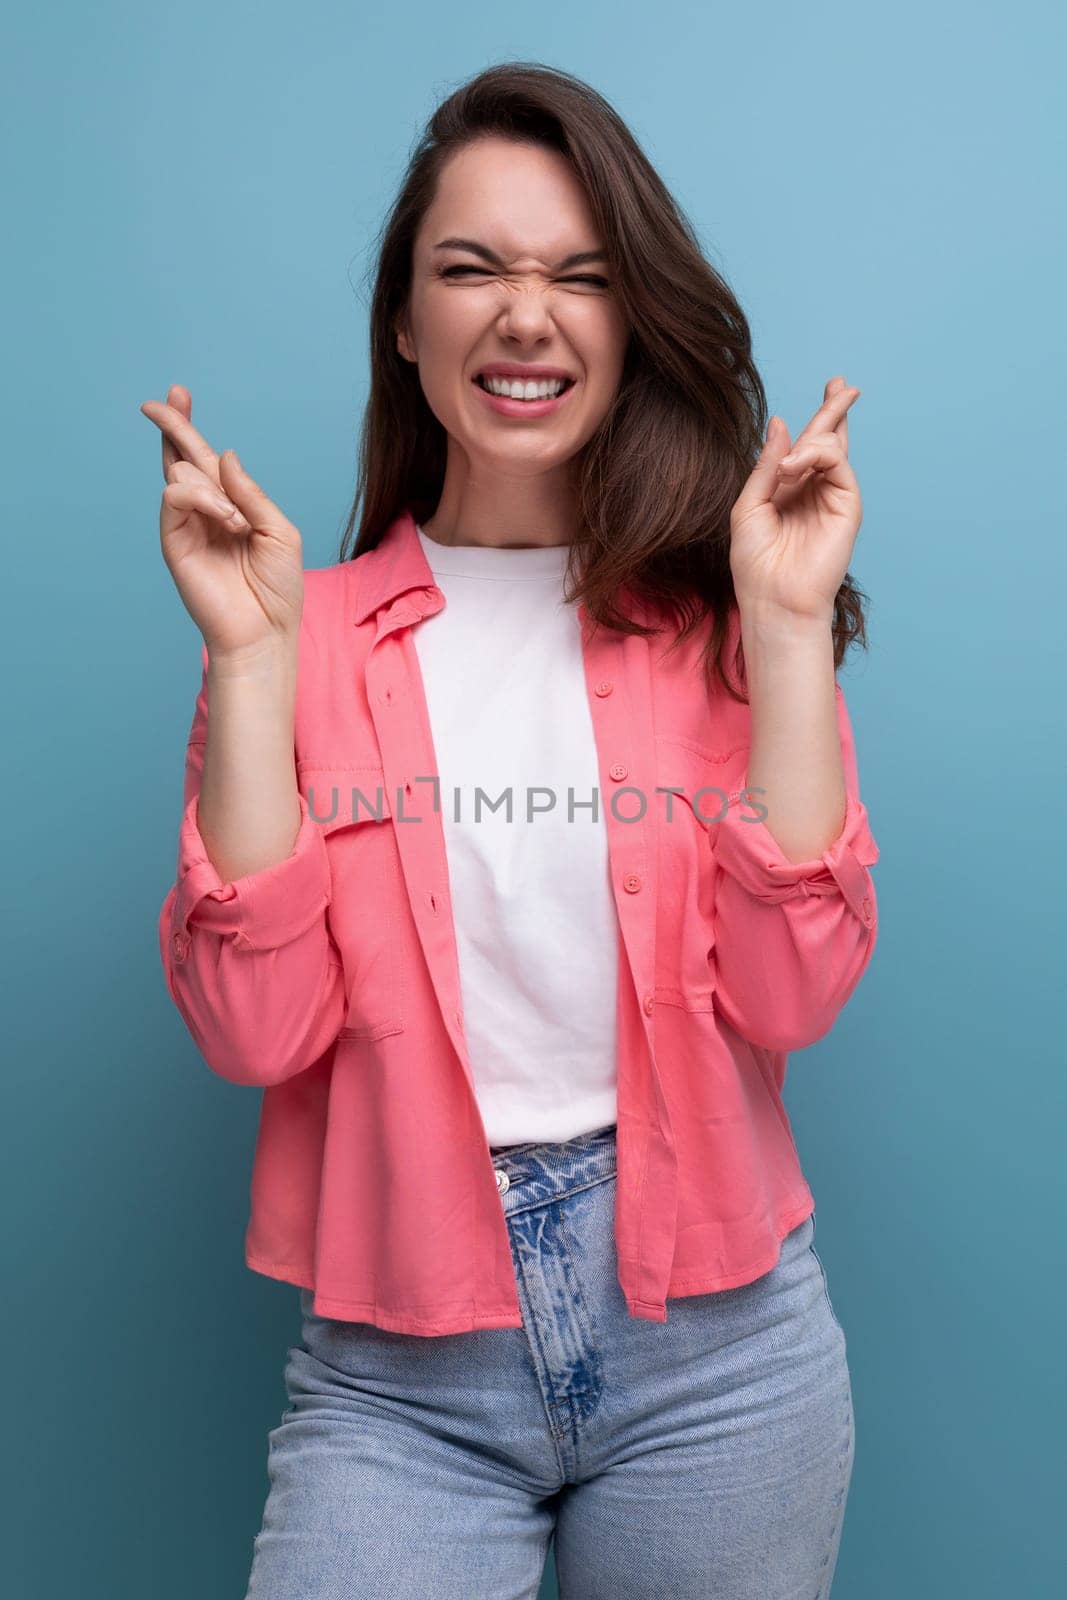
[(535, 920)]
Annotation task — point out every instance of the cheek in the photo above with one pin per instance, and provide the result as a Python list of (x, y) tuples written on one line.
[(442, 363), (606, 374), (443, 328), (603, 344)]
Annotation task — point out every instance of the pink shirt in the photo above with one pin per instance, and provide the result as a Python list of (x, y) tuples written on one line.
[(331, 980)]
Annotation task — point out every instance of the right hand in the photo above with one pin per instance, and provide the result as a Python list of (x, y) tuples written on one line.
[(241, 577)]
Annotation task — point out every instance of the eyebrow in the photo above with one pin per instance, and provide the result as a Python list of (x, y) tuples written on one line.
[(497, 261)]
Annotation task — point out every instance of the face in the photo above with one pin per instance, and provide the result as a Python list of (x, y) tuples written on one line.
[(516, 303)]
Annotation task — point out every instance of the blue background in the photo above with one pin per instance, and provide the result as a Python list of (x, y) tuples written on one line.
[(192, 197)]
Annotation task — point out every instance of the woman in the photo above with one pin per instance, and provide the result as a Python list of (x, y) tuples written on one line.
[(522, 1073)]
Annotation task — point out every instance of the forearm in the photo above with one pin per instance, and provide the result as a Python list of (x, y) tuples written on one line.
[(795, 908), (248, 810), (244, 931), (795, 750)]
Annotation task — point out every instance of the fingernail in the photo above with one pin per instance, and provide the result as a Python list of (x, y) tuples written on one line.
[(225, 508), (237, 461)]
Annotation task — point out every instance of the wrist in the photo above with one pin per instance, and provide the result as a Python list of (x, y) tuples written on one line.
[(763, 620), (272, 658)]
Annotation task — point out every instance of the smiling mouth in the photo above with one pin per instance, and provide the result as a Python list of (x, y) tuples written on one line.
[(520, 389)]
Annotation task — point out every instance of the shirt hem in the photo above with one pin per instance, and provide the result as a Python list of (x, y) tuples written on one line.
[(744, 1275), (380, 1316), (705, 1283), (505, 1317)]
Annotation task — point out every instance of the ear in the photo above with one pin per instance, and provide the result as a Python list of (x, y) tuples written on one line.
[(403, 342)]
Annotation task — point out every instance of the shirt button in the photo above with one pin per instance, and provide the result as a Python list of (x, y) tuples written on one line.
[(631, 883), (618, 770), (649, 1004), (503, 1182), (180, 946), (867, 907), (604, 687)]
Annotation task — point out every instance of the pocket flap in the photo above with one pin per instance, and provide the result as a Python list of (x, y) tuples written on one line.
[(341, 795)]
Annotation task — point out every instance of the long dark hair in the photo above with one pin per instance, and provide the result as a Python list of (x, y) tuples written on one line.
[(656, 482)]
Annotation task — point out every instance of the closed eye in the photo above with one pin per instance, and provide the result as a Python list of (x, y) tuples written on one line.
[(602, 283)]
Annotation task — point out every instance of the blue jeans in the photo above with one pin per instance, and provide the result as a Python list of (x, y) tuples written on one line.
[(707, 1456)]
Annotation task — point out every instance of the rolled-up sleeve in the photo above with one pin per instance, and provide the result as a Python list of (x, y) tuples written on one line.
[(249, 962), (793, 938)]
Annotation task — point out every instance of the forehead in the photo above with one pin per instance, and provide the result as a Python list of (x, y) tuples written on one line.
[(519, 199)]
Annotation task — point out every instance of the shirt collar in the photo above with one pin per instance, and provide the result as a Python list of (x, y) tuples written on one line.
[(395, 565)]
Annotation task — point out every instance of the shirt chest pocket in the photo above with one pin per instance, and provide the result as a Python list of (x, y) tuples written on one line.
[(368, 903)]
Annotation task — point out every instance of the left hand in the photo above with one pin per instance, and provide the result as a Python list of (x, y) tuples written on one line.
[(793, 526)]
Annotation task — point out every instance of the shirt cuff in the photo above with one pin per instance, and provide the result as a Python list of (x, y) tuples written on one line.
[(262, 910), (747, 849)]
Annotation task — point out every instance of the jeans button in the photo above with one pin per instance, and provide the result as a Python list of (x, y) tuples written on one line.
[(503, 1182)]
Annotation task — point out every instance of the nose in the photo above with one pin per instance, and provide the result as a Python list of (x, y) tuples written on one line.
[(527, 316)]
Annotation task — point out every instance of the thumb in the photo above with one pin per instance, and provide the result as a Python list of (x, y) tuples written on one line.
[(763, 479), (259, 510)]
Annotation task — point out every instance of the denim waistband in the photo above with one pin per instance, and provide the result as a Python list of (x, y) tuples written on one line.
[(537, 1173)]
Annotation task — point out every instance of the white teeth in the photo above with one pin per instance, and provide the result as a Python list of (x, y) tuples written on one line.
[(517, 389)]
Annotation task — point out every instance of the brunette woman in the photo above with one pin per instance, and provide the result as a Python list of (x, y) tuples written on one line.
[(520, 846)]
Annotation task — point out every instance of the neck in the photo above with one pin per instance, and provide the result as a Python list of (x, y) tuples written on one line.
[(516, 512)]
